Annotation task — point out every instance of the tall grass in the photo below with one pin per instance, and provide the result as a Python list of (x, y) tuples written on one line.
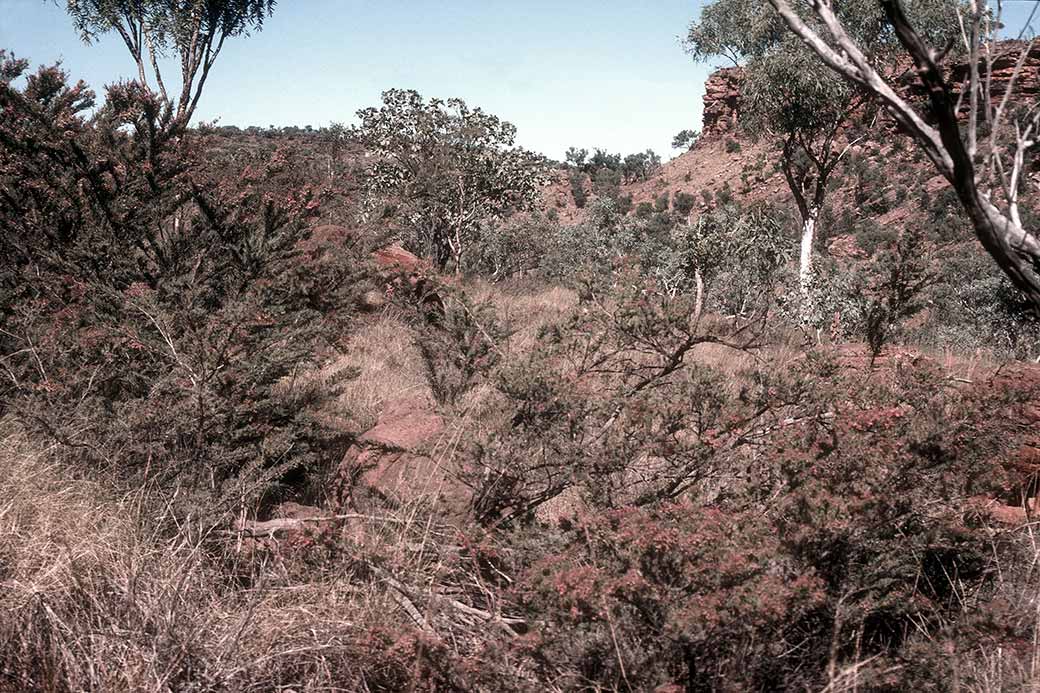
[(107, 593)]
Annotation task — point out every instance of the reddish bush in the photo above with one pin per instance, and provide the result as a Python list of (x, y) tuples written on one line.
[(684, 595), (155, 293)]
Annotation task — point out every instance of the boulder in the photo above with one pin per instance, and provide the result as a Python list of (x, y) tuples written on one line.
[(371, 301), (1004, 513), (395, 462), (404, 425), (393, 260), (326, 236), (332, 233), (401, 270)]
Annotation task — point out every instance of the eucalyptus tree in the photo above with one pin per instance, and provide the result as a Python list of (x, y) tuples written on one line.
[(812, 115), (640, 166), (332, 140), (981, 140), (192, 31), (445, 169), (749, 244), (685, 139)]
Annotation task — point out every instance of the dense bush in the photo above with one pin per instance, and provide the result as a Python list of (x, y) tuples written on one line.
[(976, 308), (799, 529), (734, 255), (640, 166), (582, 415), (682, 595), (459, 343), (606, 183), (683, 203), (512, 248), (155, 299), (685, 139), (577, 183), (662, 202), (641, 484)]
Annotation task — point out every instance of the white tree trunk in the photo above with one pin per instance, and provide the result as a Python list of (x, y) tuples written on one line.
[(1015, 250), (805, 261), (698, 307)]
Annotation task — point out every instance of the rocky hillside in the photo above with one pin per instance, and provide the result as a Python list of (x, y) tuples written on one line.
[(874, 184)]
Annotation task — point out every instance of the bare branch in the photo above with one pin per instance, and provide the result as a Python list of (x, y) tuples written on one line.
[(155, 67), (1015, 250), (973, 80), (862, 74)]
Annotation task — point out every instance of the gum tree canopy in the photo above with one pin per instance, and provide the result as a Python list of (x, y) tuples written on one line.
[(193, 31), (982, 141), (812, 114), (444, 169)]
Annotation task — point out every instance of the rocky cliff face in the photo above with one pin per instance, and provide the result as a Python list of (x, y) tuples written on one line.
[(722, 101), (1005, 56), (722, 90)]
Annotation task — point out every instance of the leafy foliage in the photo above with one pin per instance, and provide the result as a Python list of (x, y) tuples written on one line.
[(787, 96), (648, 489), (195, 31), (577, 183), (744, 248), (153, 306), (441, 170), (677, 595), (685, 139), (587, 413)]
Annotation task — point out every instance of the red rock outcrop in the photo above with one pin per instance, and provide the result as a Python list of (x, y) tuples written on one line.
[(402, 270), (396, 461), (722, 101), (1006, 55), (722, 89), (393, 259)]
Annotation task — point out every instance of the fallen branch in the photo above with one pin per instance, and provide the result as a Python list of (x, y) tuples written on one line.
[(270, 528)]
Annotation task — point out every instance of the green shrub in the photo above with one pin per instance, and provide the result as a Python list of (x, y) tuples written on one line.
[(459, 343), (685, 139), (577, 183), (512, 247), (683, 203), (871, 236), (896, 290), (661, 203), (170, 304), (715, 582), (975, 307), (724, 195), (607, 183), (624, 203)]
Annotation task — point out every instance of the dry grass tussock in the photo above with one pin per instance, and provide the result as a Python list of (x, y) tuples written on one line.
[(389, 368), (380, 365), (526, 309), (99, 594)]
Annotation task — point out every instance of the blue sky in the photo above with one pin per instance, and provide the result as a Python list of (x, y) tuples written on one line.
[(586, 73), (607, 73)]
